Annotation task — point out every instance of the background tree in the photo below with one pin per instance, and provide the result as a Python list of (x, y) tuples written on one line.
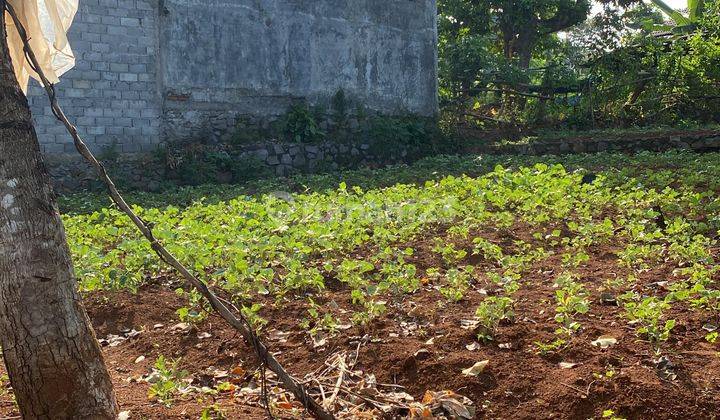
[(611, 27), (663, 73), (487, 47), (55, 365), (514, 28), (520, 66)]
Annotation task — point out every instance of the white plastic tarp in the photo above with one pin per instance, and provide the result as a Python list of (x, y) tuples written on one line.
[(47, 23)]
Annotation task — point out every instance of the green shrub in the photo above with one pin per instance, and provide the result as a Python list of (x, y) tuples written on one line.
[(199, 164), (418, 136), (301, 125)]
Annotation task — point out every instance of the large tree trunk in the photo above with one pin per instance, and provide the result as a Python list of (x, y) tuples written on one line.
[(54, 362), (518, 44)]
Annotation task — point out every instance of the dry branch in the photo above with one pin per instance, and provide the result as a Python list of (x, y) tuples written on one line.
[(237, 321), (341, 367)]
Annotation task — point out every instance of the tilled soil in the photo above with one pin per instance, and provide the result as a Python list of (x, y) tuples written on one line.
[(420, 345)]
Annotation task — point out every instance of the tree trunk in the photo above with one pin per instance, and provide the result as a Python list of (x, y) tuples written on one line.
[(524, 48), (518, 44), (54, 362)]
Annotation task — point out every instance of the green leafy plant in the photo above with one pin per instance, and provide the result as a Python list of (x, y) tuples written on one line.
[(491, 312), (489, 250), (167, 380), (252, 314), (449, 253), (398, 277), (301, 125), (546, 348), (372, 310), (458, 281), (198, 307), (572, 299), (318, 322), (213, 412), (647, 314), (354, 272), (610, 414)]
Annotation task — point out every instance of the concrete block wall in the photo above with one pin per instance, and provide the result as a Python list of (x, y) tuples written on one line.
[(154, 71), (112, 93)]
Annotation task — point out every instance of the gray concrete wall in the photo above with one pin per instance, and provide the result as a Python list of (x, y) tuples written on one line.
[(150, 71)]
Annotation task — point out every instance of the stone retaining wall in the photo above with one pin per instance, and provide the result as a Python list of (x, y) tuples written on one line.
[(287, 158), (697, 141), (139, 171), (149, 171)]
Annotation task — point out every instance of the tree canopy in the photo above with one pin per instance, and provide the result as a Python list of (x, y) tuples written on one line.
[(555, 62)]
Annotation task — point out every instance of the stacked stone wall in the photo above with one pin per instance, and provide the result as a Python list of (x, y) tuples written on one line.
[(148, 171)]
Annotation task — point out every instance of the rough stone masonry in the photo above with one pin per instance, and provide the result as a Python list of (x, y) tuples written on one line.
[(153, 71)]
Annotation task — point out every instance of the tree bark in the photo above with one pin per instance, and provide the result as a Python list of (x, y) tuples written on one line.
[(55, 364)]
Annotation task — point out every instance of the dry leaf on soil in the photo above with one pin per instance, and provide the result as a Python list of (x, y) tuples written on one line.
[(605, 341), (476, 369), (567, 365)]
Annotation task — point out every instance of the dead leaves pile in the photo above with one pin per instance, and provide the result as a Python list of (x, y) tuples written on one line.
[(114, 340), (351, 393)]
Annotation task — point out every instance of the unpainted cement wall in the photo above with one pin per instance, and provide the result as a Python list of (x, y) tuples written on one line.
[(151, 71)]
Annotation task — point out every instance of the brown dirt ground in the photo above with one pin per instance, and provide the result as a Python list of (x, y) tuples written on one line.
[(519, 383)]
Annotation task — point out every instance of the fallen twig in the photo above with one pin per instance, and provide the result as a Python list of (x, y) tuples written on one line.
[(322, 391), (237, 321), (585, 393), (357, 353), (376, 403), (341, 367), (391, 385), (575, 389)]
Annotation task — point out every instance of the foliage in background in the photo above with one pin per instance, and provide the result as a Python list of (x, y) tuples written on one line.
[(670, 78), (613, 69), (487, 49), (302, 126)]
